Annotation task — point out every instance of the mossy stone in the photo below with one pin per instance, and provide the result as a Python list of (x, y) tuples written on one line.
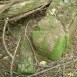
[(49, 38)]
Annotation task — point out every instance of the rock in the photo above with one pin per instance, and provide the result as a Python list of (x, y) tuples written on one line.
[(49, 38)]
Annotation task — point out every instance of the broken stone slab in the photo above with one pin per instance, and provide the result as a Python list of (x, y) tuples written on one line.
[(22, 7), (26, 57)]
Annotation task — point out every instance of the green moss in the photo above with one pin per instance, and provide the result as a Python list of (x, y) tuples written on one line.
[(26, 66), (50, 39), (59, 48), (61, 45), (26, 57)]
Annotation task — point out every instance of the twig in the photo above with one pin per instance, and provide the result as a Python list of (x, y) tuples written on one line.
[(23, 15), (27, 13), (30, 42), (52, 68), (13, 59), (3, 38), (18, 17), (63, 69)]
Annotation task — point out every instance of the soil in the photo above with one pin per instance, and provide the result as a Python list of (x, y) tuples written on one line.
[(61, 68)]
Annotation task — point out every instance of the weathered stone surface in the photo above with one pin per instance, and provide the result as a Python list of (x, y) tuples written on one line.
[(48, 37), (22, 7), (26, 65)]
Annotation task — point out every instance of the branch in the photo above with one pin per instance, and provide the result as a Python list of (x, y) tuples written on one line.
[(13, 59), (30, 42), (52, 68), (3, 38)]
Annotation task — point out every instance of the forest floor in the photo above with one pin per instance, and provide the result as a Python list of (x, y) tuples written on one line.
[(66, 67)]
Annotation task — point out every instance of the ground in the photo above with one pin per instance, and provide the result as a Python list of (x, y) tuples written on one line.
[(66, 67), (68, 61)]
